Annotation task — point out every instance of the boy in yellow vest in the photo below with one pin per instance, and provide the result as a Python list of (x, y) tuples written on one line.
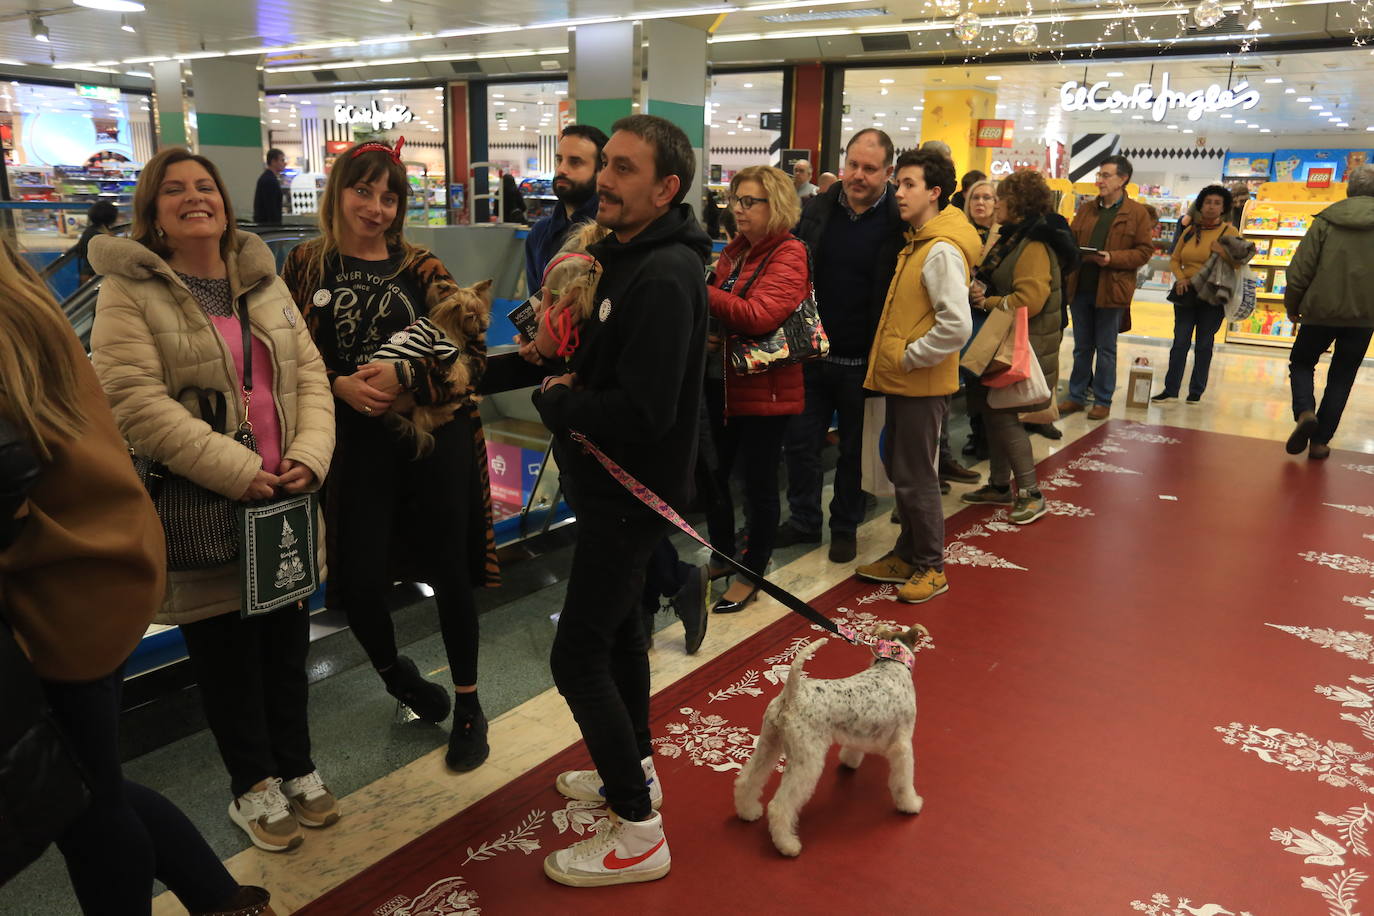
[(915, 363)]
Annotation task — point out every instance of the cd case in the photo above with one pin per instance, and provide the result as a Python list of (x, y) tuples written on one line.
[(525, 319)]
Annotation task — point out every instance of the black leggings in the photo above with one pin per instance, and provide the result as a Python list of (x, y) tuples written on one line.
[(130, 835), (756, 442), (376, 477)]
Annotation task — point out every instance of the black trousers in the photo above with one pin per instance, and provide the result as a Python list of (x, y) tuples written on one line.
[(1198, 321), (756, 443), (600, 657), (255, 690), (377, 476), (830, 389), (130, 835), (664, 576), (1311, 343)]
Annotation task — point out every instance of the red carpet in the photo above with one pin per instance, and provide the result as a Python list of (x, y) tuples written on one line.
[(1158, 699)]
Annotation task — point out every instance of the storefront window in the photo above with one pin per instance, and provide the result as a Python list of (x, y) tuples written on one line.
[(70, 146), (523, 124), (745, 123), (312, 130)]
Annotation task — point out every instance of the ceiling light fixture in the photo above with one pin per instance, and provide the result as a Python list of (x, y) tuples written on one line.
[(992, 78), (124, 24), (815, 15), (887, 82), (1249, 17), (112, 6), (1304, 98), (1274, 80), (1114, 74), (39, 30)]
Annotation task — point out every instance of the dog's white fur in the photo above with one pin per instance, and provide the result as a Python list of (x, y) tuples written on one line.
[(873, 711)]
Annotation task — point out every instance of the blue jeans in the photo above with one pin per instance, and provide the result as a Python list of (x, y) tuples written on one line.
[(1094, 333), (1201, 321)]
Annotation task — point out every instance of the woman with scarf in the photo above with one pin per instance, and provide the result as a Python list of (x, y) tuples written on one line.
[(1195, 319), (1021, 269), (980, 200)]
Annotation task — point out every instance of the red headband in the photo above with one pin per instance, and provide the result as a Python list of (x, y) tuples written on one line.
[(560, 259), (374, 146)]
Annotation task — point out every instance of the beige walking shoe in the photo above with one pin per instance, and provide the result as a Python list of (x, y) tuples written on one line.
[(265, 815), (311, 801)]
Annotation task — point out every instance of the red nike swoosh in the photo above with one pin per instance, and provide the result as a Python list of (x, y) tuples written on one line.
[(614, 862)]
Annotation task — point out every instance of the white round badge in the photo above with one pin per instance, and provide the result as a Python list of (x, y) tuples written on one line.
[(605, 310), (322, 297), (399, 338)]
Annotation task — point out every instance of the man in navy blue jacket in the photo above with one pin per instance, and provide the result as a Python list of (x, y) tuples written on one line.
[(577, 164)]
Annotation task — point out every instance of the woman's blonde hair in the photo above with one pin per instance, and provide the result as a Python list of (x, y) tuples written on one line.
[(144, 229), (351, 168), (37, 377), (968, 195), (784, 207), (573, 269)]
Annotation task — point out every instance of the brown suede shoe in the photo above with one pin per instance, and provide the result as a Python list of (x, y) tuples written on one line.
[(1068, 407), (1302, 433), (1318, 451), (1098, 412)]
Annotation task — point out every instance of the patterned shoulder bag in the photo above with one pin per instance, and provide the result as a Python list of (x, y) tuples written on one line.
[(799, 338)]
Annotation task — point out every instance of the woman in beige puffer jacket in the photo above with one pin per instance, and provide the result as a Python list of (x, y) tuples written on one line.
[(168, 318)]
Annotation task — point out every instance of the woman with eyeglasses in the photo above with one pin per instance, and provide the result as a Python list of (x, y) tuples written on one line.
[(760, 279)]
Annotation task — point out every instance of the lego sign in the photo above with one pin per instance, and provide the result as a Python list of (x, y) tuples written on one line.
[(1320, 177), (994, 133)]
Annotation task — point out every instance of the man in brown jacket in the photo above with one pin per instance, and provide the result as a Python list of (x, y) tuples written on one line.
[(1113, 233)]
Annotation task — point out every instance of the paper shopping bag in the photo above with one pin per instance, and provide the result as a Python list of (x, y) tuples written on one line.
[(979, 357), (873, 474), (1020, 356)]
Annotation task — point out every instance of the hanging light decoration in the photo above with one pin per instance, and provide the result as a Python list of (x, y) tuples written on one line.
[(968, 27), (1025, 33), (949, 7), (1208, 13)]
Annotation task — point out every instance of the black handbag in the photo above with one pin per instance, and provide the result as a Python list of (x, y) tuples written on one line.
[(800, 337), (42, 787), (201, 526)]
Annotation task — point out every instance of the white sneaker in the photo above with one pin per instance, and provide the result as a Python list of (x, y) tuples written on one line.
[(265, 815), (621, 852), (586, 785), (311, 801)]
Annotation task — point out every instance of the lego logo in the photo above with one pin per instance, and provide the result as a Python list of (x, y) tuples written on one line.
[(990, 133)]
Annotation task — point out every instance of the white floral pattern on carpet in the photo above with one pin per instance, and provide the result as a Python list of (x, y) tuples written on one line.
[(520, 837), (1159, 905), (960, 554), (1343, 562), (445, 897), (1092, 464), (707, 740), (1352, 643)]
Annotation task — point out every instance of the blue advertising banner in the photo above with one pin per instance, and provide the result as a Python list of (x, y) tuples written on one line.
[(1293, 164)]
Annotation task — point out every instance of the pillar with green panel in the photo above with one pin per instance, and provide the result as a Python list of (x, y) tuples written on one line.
[(614, 74), (171, 104), (229, 124)]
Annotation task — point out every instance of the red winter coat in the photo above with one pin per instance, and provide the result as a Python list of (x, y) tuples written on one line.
[(773, 295)]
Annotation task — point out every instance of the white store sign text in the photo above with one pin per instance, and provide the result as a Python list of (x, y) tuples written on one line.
[(1100, 97), (374, 115)]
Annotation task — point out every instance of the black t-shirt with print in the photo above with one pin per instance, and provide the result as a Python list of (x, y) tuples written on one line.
[(368, 303)]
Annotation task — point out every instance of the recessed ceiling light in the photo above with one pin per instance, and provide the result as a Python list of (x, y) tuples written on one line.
[(911, 119), (1187, 130), (877, 123), (730, 133), (1226, 115), (1290, 91), (882, 91), (1173, 127), (1115, 73), (1137, 117), (1343, 124), (1265, 130), (498, 95), (1274, 80), (918, 108), (124, 24), (887, 82), (1303, 99), (992, 78), (112, 6), (879, 114), (1240, 120), (1314, 108), (38, 29), (748, 85), (904, 127), (1253, 126)]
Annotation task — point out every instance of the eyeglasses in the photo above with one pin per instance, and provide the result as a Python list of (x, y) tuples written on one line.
[(746, 203)]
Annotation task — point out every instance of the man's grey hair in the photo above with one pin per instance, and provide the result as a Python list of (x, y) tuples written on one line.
[(939, 146), (1360, 182)]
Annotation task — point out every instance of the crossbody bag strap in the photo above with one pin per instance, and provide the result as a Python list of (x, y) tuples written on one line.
[(757, 270), (246, 388)]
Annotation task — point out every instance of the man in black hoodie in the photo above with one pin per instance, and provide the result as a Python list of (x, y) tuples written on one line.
[(633, 387)]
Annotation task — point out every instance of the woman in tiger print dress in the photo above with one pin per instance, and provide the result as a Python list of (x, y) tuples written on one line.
[(388, 514)]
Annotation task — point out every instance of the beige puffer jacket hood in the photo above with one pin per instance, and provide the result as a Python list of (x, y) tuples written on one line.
[(151, 340)]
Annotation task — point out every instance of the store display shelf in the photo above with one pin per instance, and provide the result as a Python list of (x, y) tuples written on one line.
[(1275, 233), (1264, 262), (45, 187), (1268, 340), (1169, 219), (1278, 297)]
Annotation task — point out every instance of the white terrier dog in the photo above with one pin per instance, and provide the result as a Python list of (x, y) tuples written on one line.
[(873, 711)]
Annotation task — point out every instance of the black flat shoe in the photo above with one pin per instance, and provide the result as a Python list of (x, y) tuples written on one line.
[(734, 607), (690, 605), (467, 743), (428, 700)]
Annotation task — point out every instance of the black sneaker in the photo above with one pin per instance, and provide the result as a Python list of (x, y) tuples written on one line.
[(1194, 398), (788, 535), (844, 547), (428, 700), (1048, 430), (691, 605), (1164, 396), (467, 743)]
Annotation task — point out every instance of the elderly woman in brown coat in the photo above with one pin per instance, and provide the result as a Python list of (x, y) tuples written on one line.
[(168, 319)]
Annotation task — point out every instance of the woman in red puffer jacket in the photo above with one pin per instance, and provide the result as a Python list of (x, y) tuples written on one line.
[(760, 279)]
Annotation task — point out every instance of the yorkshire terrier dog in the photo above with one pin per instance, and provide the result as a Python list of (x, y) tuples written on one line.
[(443, 334), (873, 711)]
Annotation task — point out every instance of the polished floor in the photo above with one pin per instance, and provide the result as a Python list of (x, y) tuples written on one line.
[(391, 774)]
